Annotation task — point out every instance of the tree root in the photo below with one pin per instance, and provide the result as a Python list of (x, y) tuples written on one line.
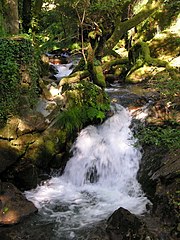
[(143, 57)]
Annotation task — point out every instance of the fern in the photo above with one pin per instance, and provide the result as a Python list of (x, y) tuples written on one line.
[(70, 119), (90, 108)]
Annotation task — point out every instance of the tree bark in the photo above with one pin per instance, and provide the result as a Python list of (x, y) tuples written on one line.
[(1, 20), (26, 15), (37, 7), (122, 27), (11, 17)]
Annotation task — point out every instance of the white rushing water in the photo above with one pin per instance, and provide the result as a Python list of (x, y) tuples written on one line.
[(98, 179)]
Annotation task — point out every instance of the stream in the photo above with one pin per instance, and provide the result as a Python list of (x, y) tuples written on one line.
[(99, 178)]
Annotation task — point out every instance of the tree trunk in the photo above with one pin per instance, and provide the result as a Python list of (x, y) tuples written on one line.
[(11, 17), (37, 7), (122, 27), (2, 31), (26, 15)]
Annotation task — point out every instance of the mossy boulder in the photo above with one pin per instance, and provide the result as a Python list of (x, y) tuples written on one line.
[(138, 75)]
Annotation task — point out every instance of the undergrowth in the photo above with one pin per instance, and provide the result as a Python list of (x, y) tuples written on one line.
[(164, 136), (89, 108)]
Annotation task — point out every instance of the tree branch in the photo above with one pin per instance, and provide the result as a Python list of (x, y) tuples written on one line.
[(122, 27)]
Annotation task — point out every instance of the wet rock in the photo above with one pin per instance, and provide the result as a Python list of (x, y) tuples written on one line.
[(150, 162), (159, 176), (123, 225), (96, 231), (26, 176), (16, 126), (8, 155), (28, 229), (14, 206), (59, 161)]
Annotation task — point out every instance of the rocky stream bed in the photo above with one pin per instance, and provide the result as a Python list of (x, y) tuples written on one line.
[(25, 140)]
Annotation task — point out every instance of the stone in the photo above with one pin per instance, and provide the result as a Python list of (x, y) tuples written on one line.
[(142, 73), (14, 206), (123, 225), (26, 176), (8, 155)]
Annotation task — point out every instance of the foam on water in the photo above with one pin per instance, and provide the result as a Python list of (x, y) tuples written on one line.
[(98, 179)]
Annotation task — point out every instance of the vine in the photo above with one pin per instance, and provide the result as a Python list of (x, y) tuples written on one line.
[(18, 76)]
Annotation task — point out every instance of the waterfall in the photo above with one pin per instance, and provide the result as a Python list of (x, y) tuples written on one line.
[(99, 178)]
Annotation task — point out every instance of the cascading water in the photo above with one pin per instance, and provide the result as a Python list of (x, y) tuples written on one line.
[(98, 179)]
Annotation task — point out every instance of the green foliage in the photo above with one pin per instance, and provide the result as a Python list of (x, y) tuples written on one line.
[(16, 56), (61, 25), (57, 27), (91, 107), (166, 137), (173, 9), (148, 28), (71, 119), (108, 6), (5, 210), (169, 88)]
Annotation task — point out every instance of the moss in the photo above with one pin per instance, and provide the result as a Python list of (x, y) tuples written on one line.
[(74, 78), (50, 147), (141, 56), (122, 27), (99, 78), (140, 74), (18, 77), (87, 103), (156, 62)]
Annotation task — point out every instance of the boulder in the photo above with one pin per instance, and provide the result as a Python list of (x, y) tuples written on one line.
[(159, 176), (123, 225), (13, 205), (8, 155)]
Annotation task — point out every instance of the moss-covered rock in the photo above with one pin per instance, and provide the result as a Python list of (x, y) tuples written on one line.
[(8, 155), (142, 73)]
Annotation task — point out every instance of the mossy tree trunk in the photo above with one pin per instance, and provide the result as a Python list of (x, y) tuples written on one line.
[(37, 7), (93, 64), (2, 29), (122, 27), (101, 42)]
